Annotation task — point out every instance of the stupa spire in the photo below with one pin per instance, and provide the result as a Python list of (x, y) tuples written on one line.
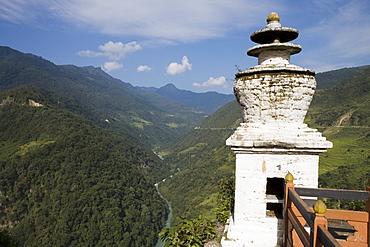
[(274, 32), (273, 39)]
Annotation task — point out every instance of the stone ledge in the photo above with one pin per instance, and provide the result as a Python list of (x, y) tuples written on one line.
[(289, 68), (290, 47), (294, 138)]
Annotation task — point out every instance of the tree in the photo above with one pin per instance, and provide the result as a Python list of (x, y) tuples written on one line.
[(6, 240), (225, 199), (189, 233)]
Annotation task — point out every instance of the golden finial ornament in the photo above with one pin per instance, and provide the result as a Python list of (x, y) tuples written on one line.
[(273, 17), (289, 177), (319, 207)]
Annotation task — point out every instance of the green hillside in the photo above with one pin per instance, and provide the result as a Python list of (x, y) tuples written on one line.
[(203, 159), (345, 104), (66, 182), (330, 78), (341, 112), (127, 108)]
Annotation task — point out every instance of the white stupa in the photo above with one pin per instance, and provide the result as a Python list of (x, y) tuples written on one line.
[(272, 140)]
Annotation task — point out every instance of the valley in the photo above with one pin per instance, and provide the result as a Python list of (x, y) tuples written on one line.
[(82, 150)]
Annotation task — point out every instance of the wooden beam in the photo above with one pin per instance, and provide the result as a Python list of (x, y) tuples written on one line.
[(351, 244), (360, 216), (326, 238), (302, 207), (302, 233), (334, 193)]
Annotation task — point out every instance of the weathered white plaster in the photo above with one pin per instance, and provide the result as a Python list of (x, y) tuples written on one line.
[(272, 97), (272, 140), (249, 224)]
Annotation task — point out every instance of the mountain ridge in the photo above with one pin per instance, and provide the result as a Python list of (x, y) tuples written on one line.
[(207, 102), (330, 78), (121, 102)]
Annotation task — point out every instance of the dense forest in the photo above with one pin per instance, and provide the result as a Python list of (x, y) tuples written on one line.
[(65, 182)]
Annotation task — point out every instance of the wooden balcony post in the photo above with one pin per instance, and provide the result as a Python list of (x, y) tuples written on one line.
[(320, 209), (288, 240)]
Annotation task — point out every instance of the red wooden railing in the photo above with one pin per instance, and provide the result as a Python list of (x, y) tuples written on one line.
[(308, 226)]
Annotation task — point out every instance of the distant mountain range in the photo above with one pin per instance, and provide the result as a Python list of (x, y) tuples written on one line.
[(208, 102), (146, 117)]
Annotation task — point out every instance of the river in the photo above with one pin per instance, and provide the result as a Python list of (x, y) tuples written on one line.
[(168, 224), (169, 217)]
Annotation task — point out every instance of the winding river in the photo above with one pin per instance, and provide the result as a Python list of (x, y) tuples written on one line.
[(169, 217), (168, 223)]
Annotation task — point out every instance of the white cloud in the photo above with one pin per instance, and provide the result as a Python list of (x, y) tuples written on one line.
[(332, 31), (115, 51), (180, 21), (176, 68), (143, 68), (110, 66), (220, 81), (21, 11), (88, 53)]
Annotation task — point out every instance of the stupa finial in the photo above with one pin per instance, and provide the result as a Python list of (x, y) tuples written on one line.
[(273, 17), (274, 32), (273, 20)]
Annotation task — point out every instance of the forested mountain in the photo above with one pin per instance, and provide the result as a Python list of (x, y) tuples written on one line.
[(330, 78), (147, 119), (341, 112), (67, 182), (208, 102)]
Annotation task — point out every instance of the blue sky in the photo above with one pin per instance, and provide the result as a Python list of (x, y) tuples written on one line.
[(195, 44)]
